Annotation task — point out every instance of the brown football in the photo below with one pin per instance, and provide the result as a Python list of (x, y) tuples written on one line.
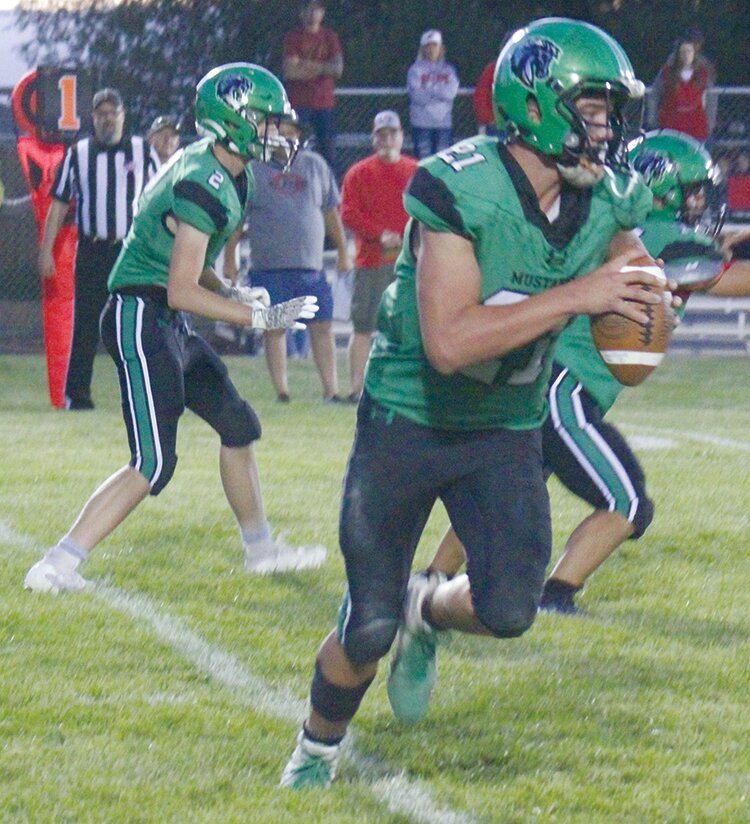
[(633, 350)]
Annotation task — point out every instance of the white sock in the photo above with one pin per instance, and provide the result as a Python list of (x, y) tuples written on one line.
[(256, 538), (67, 555)]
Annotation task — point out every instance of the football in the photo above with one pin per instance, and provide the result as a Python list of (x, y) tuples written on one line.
[(633, 350)]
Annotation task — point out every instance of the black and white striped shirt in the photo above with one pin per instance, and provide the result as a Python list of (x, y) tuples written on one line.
[(107, 182)]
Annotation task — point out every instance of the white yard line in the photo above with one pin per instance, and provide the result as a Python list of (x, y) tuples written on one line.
[(399, 793), (643, 443), (689, 435)]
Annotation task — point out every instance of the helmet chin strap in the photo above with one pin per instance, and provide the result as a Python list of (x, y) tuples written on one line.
[(581, 176), (592, 168), (614, 186), (582, 169), (584, 176)]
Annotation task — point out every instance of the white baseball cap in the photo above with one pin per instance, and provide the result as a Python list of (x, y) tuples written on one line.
[(387, 119), (431, 36)]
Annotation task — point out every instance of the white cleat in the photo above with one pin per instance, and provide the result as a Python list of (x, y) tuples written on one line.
[(45, 577), (311, 765), (278, 556)]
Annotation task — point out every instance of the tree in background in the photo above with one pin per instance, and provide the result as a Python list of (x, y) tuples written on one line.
[(156, 50)]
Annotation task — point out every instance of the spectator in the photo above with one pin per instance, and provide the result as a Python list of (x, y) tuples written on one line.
[(164, 136), (372, 207), (432, 84), (680, 91), (105, 174), (738, 185), (288, 220), (725, 164), (165, 270), (313, 62), (741, 164), (698, 39), (482, 101)]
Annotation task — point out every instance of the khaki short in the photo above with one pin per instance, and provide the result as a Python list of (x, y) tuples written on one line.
[(369, 284)]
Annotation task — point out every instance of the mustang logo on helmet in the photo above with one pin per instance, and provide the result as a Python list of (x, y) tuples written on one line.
[(234, 90), (532, 61), (652, 165)]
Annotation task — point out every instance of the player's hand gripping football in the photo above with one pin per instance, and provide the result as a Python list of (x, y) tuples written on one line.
[(286, 315), (618, 286)]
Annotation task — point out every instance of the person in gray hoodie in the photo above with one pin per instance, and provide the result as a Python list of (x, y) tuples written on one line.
[(432, 84)]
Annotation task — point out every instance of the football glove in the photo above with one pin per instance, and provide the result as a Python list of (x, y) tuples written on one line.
[(286, 315), (247, 295)]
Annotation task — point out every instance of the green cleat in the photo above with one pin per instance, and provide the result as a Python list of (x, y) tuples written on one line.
[(312, 764), (414, 668)]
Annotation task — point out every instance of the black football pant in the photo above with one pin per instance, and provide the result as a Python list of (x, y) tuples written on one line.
[(94, 261)]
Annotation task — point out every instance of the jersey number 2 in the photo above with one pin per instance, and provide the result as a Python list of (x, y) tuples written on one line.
[(216, 179)]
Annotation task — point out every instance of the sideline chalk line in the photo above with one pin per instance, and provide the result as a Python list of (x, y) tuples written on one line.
[(401, 794)]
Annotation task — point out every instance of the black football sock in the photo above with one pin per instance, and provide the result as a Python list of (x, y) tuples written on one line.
[(557, 593), (316, 739)]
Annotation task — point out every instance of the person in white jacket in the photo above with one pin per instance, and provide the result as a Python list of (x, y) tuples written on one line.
[(432, 83)]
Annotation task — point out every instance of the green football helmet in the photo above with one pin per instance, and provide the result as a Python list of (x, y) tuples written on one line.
[(555, 61), (236, 102), (682, 176)]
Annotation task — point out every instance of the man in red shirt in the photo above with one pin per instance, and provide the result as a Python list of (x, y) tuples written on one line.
[(372, 207), (313, 61)]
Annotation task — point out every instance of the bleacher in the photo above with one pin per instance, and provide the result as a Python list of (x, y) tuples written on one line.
[(714, 324)]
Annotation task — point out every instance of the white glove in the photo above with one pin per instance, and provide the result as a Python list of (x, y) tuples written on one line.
[(286, 315), (247, 295)]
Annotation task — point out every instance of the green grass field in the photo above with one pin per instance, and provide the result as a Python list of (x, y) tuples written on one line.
[(172, 691)]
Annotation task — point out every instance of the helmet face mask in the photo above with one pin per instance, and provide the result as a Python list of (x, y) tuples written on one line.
[(548, 68), (579, 145), (271, 146), (242, 104), (683, 179)]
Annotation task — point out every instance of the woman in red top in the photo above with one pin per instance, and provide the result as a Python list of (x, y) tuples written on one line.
[(681, 86)]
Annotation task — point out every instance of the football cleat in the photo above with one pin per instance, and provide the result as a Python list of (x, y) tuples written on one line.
[(559, 597), (278, 556), (46, 577), (312, 764), (414, 668), (561, 607)]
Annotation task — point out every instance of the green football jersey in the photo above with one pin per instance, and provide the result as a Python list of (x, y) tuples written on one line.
[(477, 190), (193, 186), (685, 253)]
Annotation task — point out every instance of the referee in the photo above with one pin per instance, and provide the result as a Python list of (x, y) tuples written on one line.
[(105, 174)]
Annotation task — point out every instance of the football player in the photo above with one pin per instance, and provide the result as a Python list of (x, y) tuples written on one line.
[(590, 456), (506, 243), (163, 271)]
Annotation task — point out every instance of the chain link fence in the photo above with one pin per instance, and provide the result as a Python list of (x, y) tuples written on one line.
[(20, 312)]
